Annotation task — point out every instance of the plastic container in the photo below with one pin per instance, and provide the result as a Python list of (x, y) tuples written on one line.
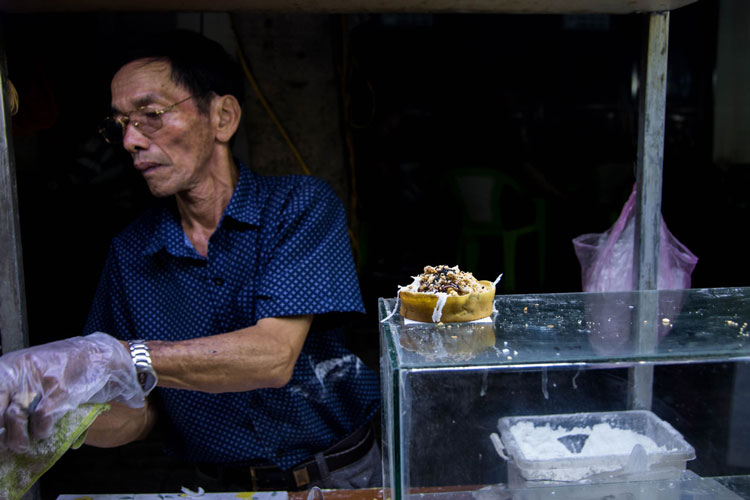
[(528, 466)]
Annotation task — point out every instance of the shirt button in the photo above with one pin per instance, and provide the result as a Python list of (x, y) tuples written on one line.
[(218, 281)]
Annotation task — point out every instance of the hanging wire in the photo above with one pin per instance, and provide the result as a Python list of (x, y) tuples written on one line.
[(349, 144), (266, 105)]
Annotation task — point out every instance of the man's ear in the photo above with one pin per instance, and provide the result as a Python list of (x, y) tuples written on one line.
[(227, 114)]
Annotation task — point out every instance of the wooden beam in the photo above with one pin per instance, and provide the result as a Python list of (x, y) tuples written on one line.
[(13, 328), (350, 6)]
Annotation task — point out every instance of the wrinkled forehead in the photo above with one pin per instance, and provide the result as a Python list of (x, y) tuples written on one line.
[(144, 82)]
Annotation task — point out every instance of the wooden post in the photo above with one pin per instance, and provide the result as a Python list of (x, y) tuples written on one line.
[(13, 328)]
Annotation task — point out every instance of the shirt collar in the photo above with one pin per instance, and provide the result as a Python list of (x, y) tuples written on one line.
[(243, 207)]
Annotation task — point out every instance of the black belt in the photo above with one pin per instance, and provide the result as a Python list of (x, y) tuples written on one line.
[(265, 478)]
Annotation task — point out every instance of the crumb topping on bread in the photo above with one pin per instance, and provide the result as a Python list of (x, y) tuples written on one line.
[(448, 280)]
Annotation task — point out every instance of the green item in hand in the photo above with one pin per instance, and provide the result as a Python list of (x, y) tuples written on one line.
[(19, 471)]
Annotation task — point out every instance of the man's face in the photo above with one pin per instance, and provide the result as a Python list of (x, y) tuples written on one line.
[(174, 158)]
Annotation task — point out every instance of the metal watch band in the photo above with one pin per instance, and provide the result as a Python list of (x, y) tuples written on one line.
[(141, 356)]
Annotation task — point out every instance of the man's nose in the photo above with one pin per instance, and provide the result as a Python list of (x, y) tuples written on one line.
[(133, 139)]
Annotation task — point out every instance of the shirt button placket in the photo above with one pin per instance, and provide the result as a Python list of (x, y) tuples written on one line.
[(218, 292)]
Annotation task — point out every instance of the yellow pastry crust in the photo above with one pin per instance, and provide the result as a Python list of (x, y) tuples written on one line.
[(419, 306)]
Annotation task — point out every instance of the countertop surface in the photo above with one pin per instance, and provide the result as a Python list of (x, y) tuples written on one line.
[(365, 494)]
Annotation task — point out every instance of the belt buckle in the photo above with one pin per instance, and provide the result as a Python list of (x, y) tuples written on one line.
[(301, 476)]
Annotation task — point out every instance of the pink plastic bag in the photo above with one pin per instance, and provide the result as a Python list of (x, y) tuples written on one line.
[(607, 266), (607, 258)]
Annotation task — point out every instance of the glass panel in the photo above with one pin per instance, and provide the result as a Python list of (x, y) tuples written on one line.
[(574, 328), (390, 443), (447, 417), (688, 487), (447, 387)]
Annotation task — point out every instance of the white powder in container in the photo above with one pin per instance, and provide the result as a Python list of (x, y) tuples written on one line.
[(541, 442)]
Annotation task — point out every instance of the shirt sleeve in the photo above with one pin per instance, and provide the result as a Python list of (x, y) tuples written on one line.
[(309, 267), (108, 311)]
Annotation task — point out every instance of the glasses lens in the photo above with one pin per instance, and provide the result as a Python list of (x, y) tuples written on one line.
[(112, 131), (147, 121)]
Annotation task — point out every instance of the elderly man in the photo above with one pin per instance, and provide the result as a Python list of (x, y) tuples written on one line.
[(227, 297)]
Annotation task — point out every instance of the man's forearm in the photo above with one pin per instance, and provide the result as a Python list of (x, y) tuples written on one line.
[(121, 425), (257, 357)]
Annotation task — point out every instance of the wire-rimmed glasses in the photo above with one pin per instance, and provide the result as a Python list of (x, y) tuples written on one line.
[(145, 119)]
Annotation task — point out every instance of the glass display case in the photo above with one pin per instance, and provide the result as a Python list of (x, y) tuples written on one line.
[(586, 374)]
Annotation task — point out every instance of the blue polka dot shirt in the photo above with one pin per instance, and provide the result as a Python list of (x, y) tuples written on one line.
[(280, 249)]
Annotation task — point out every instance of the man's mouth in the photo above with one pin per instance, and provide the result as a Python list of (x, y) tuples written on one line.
[(146, 167)]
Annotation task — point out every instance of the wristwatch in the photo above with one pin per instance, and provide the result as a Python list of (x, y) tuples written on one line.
[(141, 356)]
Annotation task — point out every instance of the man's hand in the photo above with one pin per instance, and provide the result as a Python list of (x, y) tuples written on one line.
[(40, 384), (121, 425)]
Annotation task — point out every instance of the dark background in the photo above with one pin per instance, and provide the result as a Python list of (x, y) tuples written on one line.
[(546, 99)]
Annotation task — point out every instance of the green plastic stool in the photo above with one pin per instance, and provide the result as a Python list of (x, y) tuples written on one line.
[(480, 191)]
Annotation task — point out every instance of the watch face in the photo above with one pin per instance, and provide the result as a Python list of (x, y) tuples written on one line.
[(146, 378)]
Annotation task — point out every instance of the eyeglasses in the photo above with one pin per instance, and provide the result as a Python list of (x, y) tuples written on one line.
[(146, 120)]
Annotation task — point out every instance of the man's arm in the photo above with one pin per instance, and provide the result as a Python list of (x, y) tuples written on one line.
[(252, 358), (256, 357)]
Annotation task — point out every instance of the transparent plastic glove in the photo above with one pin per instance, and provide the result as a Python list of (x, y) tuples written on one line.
[(40, 384)]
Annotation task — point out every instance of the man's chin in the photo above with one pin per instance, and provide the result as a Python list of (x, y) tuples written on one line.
[(160, 191)]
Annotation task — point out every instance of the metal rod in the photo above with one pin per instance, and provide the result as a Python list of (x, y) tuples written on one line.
[(651, 155), (648, 205)]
